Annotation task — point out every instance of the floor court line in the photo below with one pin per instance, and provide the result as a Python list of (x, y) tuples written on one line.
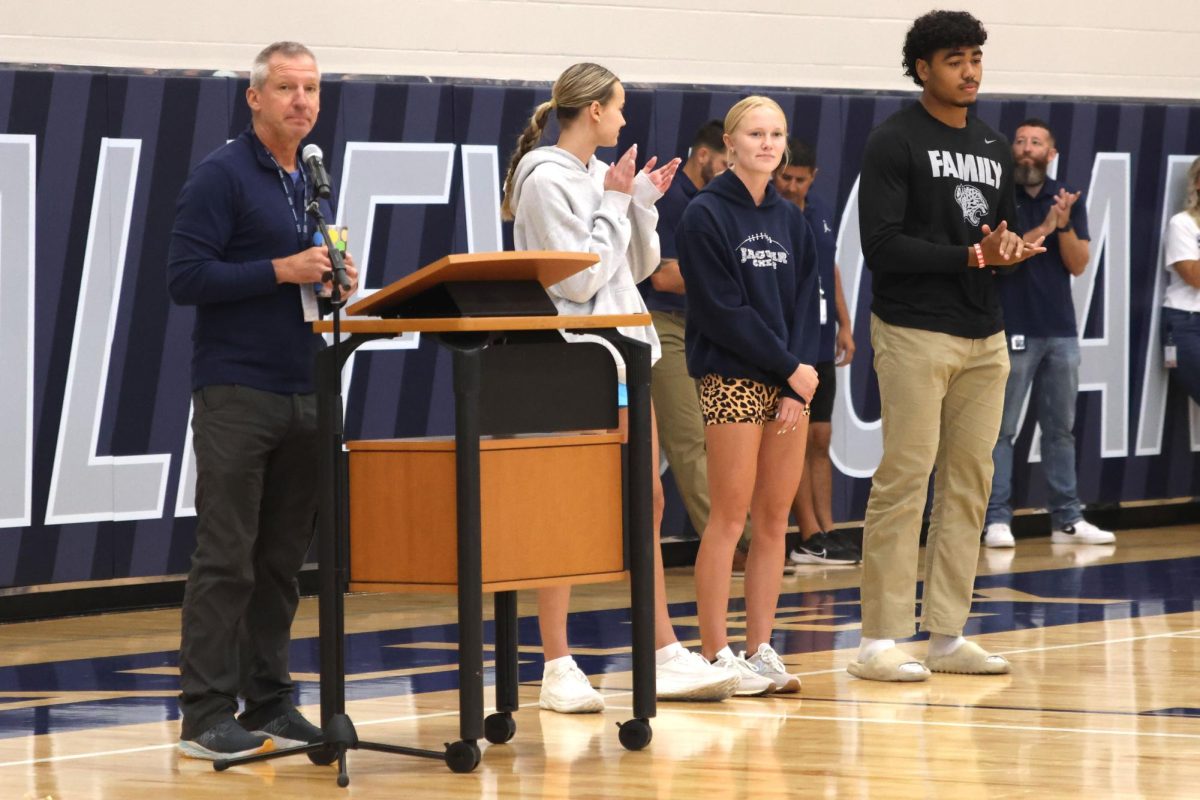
[(741, 713), (932, 723), (1186, 634), (153, 747)]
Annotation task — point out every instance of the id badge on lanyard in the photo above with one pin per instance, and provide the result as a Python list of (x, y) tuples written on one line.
[(308, 291)]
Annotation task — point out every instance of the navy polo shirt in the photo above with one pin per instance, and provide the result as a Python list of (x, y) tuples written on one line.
[(1037, 295), (820, 219), (670, 211)]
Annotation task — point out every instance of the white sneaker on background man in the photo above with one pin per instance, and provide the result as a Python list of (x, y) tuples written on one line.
[(998, 534), (1081, 532)]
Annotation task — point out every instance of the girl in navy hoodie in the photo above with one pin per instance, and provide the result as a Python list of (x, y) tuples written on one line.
[(749, 261)]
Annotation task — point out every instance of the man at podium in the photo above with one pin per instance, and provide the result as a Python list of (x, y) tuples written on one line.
[(242, 253)]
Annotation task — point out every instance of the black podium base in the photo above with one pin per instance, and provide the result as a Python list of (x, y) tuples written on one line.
[(341, 737)]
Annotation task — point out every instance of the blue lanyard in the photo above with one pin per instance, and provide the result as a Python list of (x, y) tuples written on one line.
[(289, 190)]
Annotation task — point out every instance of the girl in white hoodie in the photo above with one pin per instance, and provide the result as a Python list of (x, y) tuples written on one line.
[(562, 198)]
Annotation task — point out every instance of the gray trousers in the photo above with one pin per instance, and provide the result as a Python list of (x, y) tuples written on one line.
[(256, 490)]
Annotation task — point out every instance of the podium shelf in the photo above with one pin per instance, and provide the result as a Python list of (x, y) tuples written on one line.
[(551, 512)]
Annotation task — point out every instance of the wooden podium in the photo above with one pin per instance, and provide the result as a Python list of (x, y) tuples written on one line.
[(534, 489)]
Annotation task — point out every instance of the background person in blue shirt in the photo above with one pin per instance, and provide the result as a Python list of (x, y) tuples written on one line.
[(1043, 342), (676, 402), (241, 252), (818, 542)]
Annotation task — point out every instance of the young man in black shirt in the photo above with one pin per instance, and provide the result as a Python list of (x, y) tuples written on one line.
[(936, 201)]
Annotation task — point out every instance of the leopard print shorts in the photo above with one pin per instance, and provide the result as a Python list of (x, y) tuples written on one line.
[(730, 400)]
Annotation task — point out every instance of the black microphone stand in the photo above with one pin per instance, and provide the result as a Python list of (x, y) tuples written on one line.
[(332, 526)]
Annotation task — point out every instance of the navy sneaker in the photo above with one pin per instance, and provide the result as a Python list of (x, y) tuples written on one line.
[(290, 729), (226, 739)]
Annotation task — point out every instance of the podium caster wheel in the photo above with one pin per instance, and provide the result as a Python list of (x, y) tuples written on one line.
[(323, 757), (220, 765), (462, 756), (343, 780), (498, 728), (635, 734)]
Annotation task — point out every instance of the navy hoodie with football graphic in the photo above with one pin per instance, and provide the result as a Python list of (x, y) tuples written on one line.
[(751, 275)]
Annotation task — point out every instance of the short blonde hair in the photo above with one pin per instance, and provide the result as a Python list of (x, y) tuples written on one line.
[(747, 104)]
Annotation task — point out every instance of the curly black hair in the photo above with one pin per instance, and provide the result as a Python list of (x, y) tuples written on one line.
[(939, 30)]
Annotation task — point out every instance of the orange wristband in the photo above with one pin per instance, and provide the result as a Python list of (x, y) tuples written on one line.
[(979, 255)]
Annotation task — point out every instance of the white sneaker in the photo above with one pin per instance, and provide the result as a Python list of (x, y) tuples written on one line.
[(1081, 532), (750, 682), (998, 535), (689, 676), (565, 689), (770, 666)]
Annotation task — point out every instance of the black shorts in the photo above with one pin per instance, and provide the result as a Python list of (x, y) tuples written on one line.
[(822, 401)]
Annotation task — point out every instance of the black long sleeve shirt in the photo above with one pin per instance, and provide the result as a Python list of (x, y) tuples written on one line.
[(926, 189)]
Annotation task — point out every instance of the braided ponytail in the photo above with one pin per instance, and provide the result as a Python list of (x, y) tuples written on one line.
[(525, 142), (577, 88)]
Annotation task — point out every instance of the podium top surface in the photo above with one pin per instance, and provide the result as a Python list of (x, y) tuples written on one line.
[(547, 267), (464, 324)]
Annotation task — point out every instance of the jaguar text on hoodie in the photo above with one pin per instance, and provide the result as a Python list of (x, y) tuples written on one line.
[(751, 275)]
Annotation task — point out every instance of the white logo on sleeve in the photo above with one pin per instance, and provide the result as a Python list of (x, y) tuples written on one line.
[(972, 202), (760, 250)]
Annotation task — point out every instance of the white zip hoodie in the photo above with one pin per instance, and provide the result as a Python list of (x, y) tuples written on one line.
[(561, 204)]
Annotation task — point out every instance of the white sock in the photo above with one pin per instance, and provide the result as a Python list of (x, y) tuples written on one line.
[(869, 647), (942, 645), (562, 661), (664, 654), (723, 651)]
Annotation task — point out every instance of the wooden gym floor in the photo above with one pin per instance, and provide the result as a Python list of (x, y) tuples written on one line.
[(1104, 699)]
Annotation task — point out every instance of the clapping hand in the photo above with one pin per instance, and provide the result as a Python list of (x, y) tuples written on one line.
[(619, 177), (1002, 247), (1063, 202), (664, 175)]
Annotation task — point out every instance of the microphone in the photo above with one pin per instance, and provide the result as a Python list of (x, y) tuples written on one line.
[(311, 156)]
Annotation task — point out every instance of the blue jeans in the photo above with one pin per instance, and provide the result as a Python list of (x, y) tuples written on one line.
[(1183, 330), (1055, 364)]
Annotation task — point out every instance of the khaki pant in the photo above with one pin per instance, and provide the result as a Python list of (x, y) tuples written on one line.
[(680, 426), (942, 397)]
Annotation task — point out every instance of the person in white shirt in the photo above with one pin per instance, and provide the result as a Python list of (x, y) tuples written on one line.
[(561, 197), (1181, 302)]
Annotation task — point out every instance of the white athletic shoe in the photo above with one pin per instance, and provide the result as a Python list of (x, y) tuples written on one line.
[(770, 666), (689, 676), (998, 535), (750, 682), (566, 689), (1081, 532)]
